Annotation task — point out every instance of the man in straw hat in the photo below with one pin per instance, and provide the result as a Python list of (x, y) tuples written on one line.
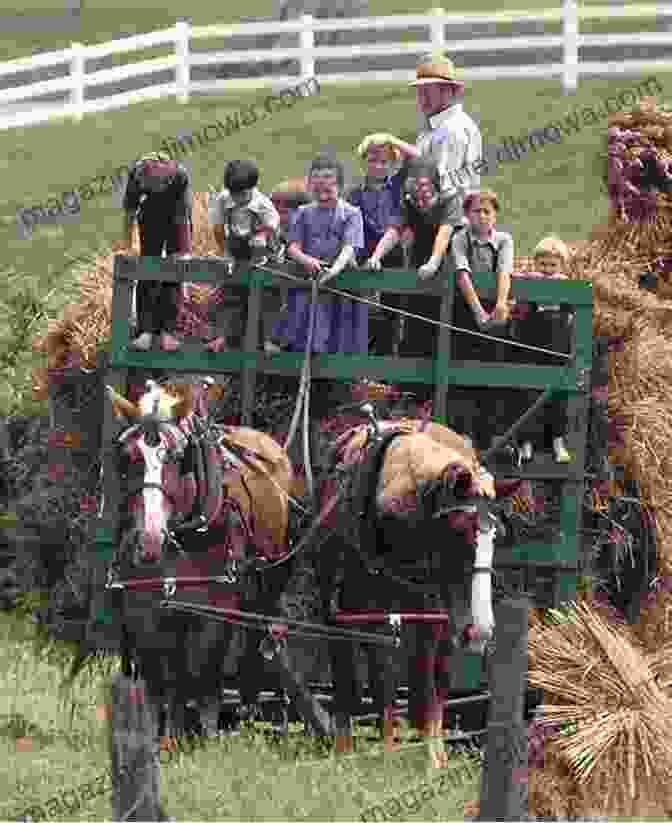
[(450, 138)]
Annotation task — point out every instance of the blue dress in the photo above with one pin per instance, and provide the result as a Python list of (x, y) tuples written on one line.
[(380, 209), (341, 325)]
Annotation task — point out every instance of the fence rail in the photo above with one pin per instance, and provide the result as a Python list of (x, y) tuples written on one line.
[(181, 36)]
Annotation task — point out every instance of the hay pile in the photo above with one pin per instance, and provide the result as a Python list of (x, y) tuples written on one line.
[(615, 681), (600, 677)]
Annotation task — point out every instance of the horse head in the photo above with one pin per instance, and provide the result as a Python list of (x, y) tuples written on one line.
[(431, 472), (154, 451)]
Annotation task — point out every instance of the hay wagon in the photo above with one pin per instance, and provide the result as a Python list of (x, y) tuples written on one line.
[(544, 567), (547, 568)]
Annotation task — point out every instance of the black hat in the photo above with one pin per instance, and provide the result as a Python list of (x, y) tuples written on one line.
[(240, 175)]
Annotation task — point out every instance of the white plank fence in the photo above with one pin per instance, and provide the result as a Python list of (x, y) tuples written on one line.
[(183, 34)]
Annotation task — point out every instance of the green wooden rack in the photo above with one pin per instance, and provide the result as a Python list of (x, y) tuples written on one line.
[(559, 559)]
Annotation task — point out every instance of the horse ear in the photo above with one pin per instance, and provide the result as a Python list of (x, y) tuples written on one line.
[(121, 406)]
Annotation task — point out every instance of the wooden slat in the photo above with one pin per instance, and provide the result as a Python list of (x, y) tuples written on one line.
[(209, 270), (249, 372), (443, 344), (571, 510)]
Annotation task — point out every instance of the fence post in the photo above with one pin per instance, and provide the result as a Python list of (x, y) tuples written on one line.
[(307, 41), (504, 774), (182, 72), (570, 30), (436, 29), (78, 80)]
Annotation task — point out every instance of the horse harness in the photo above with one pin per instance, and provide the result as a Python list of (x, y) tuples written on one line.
[(363, 493), (193, 531)]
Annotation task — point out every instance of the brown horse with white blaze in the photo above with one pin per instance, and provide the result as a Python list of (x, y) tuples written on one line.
[(416, 538), (199, 501)]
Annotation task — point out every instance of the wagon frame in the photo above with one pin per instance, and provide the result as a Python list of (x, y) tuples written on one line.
[(558, 561)]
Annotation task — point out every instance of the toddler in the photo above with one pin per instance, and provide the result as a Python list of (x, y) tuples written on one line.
[(549, 327)]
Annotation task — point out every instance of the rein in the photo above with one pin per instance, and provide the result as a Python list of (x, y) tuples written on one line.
[(303, 396)]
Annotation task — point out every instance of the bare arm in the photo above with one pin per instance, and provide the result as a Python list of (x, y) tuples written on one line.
[(407, 149), (346, 256), (441, 242), (386, 243), (220, 238), (130, 230), (469, 293)]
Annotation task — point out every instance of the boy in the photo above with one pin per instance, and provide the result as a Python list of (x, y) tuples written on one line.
[(245, 222), (286, 198), (480, 248), (547, 327), (158, 202)]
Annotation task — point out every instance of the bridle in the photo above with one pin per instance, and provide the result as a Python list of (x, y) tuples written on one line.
[(163, 455)]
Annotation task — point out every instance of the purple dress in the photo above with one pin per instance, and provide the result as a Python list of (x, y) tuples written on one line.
[(341, 325)]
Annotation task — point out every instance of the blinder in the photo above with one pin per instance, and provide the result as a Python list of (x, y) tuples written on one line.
[(179, 450)]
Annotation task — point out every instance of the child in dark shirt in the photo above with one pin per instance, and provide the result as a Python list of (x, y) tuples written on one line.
[(158, 202), (425, 230), (481, 248)]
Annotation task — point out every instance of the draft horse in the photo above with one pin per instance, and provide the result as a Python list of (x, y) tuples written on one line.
[(416, 535), (199, 500)]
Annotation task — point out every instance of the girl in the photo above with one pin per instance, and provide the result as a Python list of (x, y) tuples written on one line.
[(379, 199), (324, 238)]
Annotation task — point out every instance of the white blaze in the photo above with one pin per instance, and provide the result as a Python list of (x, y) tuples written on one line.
[(481, 587), (155, 516)]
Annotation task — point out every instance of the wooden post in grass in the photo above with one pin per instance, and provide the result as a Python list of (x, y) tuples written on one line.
[(134, 760), (504, 776)]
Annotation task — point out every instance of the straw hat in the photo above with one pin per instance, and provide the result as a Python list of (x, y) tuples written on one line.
[(436, 68)]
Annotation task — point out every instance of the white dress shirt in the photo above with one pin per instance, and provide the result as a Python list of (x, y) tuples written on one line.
[(453, 141)]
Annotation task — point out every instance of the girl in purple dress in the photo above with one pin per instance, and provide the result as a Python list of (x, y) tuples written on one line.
[(324, 238)]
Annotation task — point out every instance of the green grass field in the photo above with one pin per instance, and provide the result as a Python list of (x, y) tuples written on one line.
[(239, 779)]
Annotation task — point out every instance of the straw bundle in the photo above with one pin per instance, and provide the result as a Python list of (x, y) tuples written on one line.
[(598, 676)]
